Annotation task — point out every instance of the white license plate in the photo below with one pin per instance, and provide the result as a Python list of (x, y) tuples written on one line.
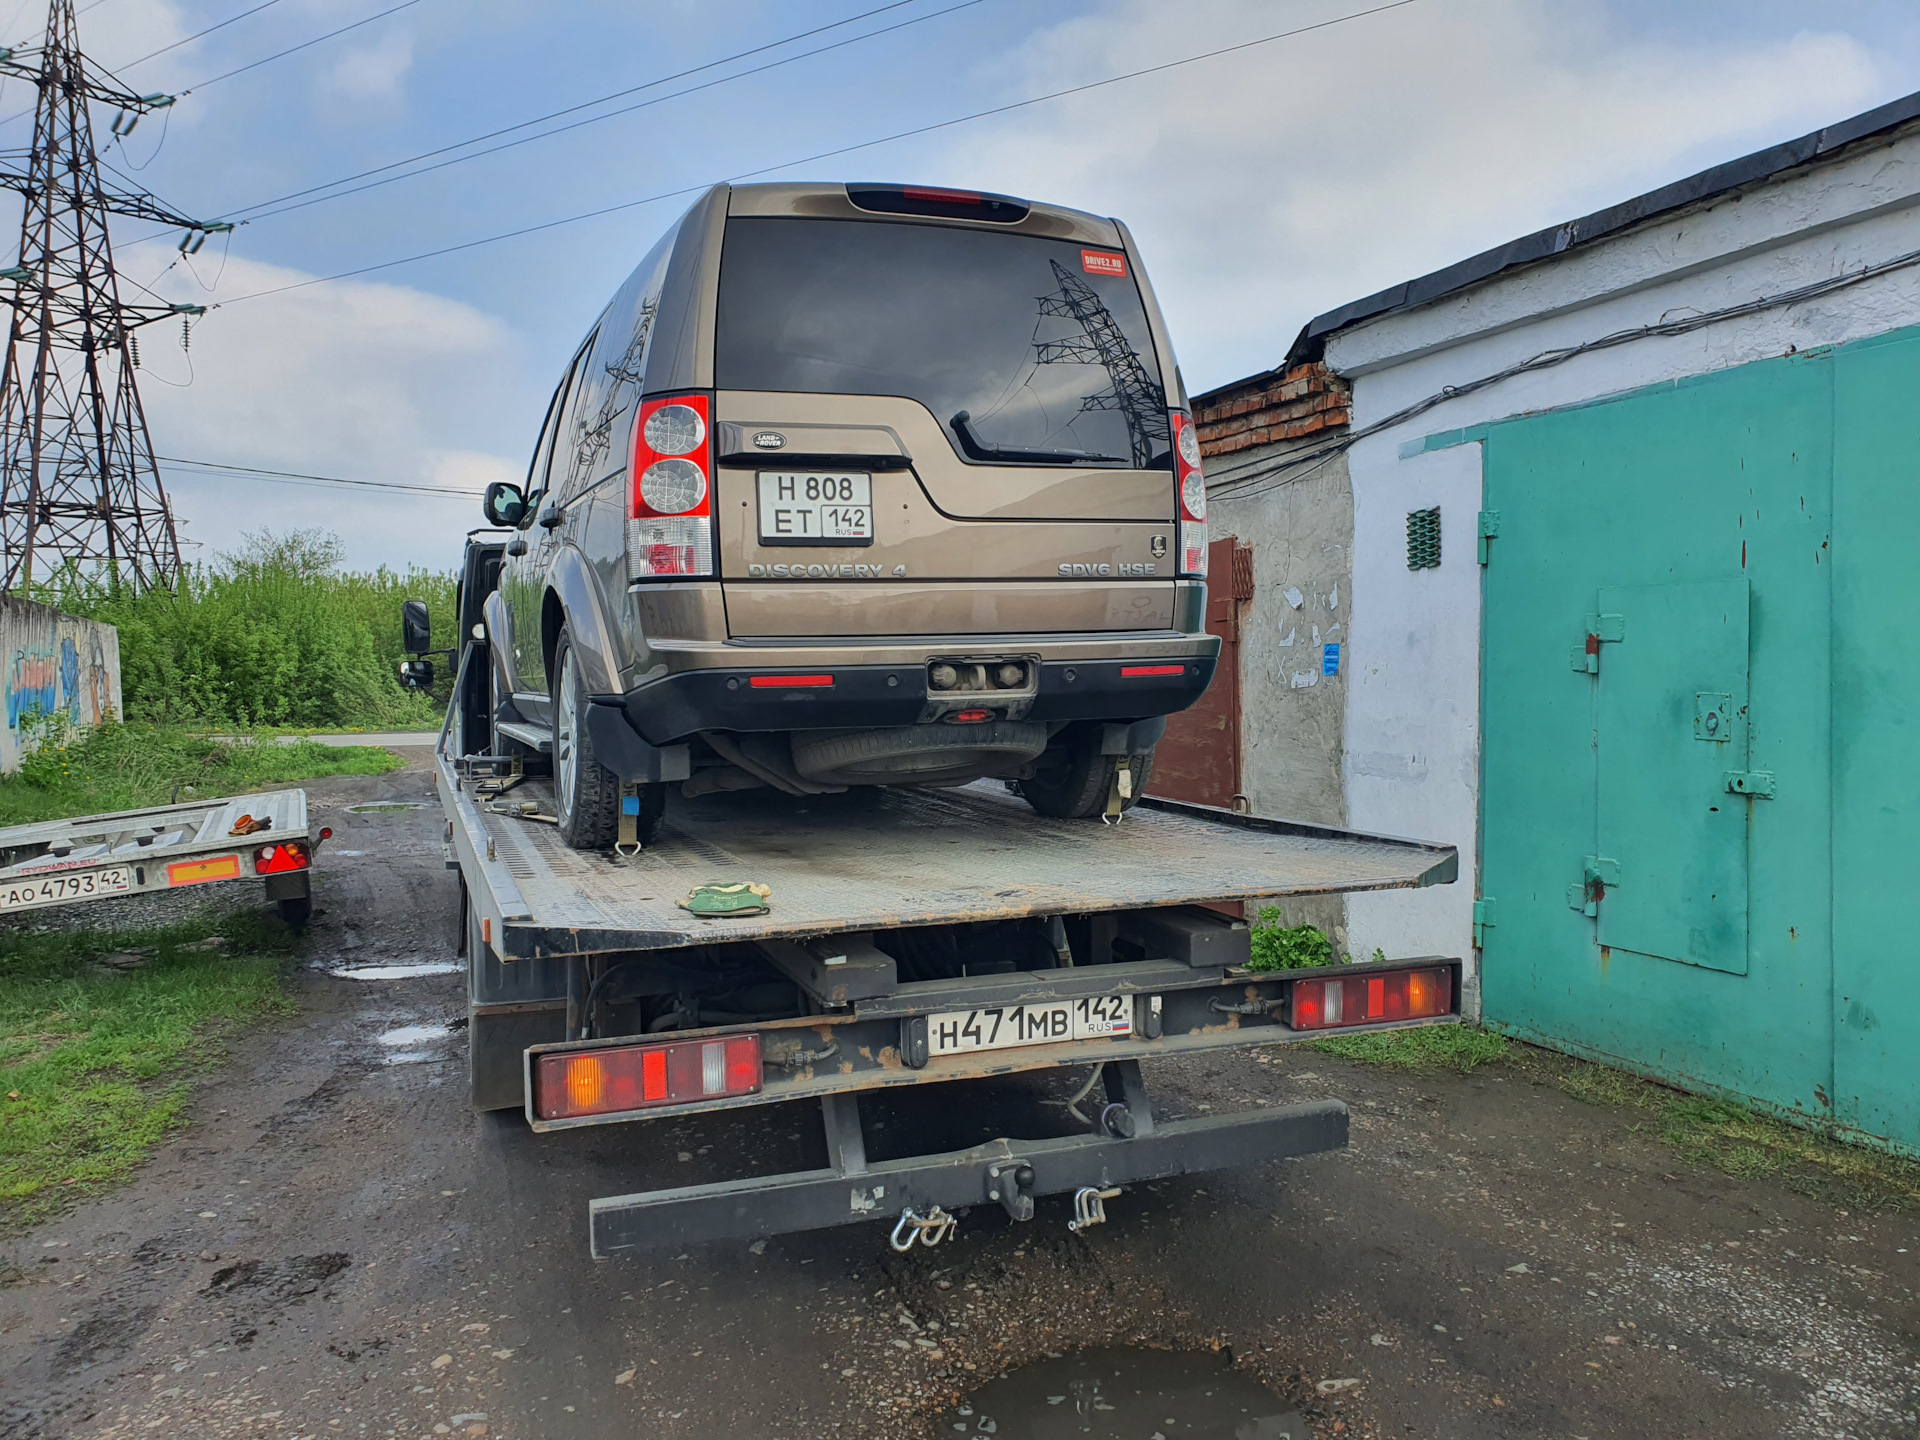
[(815, 507), (955, 1032), (52, 889)]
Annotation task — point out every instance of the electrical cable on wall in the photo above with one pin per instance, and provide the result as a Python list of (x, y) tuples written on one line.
[(1237, 487)]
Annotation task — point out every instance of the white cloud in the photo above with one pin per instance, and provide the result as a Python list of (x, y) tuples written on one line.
[(370, 73), (355, 379), (1268, 186)]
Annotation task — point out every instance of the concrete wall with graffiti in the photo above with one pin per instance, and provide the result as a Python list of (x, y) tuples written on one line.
[(53, 664)]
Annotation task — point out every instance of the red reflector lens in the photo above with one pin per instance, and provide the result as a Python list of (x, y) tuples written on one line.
[(791, 682), (1127, 672), (633, 1077), (1324, 1004), (277, 859), (958, 197), (971, 717)]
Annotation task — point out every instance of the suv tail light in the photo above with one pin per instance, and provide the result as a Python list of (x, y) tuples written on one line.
[(670, 532), (1190, 486), (639, 1077), (1370, 999)]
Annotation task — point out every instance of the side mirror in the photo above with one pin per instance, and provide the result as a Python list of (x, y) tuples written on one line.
[(503, 504), (416, 674), (416, 631)]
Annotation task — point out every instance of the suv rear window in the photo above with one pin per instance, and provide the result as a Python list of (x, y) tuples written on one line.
[(1041, 344)]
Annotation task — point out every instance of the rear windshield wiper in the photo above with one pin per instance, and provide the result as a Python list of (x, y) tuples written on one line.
[(978, 449)]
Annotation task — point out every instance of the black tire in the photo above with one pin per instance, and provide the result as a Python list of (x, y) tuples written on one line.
[(296, 910), (586, 795), (1072, 780)]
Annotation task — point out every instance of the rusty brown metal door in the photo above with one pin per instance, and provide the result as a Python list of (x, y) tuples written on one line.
[(1199, 757)]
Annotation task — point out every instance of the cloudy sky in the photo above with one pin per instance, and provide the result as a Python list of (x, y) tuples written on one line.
[(1264, 185)]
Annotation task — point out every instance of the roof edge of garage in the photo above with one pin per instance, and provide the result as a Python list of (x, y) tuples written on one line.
[(1708, 184)]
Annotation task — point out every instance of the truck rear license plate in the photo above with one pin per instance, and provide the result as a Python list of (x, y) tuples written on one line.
[(956, 1032), (815, 508), (52, 889)]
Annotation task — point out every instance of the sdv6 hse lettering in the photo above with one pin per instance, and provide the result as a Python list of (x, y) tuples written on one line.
[(818, 572), (1082, 571)]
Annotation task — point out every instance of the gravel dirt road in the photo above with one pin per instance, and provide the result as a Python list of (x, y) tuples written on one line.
[(337, 1246)]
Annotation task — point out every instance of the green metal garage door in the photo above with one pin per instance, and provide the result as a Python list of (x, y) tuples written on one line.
[(1656, 793)]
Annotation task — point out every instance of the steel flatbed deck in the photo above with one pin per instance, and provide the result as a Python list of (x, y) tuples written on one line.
[(894, 858)]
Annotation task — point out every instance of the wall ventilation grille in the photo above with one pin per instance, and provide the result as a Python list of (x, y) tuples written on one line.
[(1423, 539)]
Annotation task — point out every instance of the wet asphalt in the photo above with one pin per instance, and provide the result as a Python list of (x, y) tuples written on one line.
[(336, 1245)]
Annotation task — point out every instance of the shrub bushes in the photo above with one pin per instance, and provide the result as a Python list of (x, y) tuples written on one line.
[(273, 634)]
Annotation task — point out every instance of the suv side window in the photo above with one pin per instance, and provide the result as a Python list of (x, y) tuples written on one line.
[(611, 378), (539, 472)]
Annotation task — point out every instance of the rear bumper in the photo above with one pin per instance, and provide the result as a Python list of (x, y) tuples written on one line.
[(815, 1199), (1136, 687)]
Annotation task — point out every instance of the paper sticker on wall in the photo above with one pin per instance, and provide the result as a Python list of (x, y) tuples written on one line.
[(1305, 679), (1294, 597), (1330, 659)]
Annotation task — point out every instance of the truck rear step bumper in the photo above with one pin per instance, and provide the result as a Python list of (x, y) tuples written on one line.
[(1011, 1173)]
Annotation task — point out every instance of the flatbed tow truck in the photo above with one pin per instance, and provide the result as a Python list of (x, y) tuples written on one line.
[(913, 938)]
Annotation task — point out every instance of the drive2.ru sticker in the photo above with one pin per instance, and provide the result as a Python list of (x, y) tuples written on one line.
[(1103, 262)]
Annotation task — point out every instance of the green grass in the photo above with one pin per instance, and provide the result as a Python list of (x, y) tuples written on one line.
[(1725, 1136), (1713, 1134), (274, 634), (95, 1063), (1428, 1047), (124, 767)]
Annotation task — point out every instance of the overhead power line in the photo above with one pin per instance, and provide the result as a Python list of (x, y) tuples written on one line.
[(278, 200), (197, 35), (839, 150), (251, 65), (298, 477), (295, 49)]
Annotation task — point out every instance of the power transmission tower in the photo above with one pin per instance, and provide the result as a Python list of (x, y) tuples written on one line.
[(1130, 389), (78, 485)]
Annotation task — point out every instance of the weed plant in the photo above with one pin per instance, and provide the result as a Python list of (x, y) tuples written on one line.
[(275, 633), (95, 1062), (125, 767)]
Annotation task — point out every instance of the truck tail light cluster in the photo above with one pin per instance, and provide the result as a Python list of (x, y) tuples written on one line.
[(278, 859), (1370, 999), (670, 532), (1191, 485), (639, 1077)]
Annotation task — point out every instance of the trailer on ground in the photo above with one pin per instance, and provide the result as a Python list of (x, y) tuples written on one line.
[(164, 847)]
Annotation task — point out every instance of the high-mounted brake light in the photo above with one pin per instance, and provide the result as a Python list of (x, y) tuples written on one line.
[(1370, 999), (934, 201), (670, 529), (1190, 486), (637, 1077), (278, 859)]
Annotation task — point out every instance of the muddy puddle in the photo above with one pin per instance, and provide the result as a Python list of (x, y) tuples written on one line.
[(394, 972), (412, 1044), (1125, 1395)]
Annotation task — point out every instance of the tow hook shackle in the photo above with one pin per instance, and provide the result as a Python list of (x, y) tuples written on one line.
[(1090, 1206)]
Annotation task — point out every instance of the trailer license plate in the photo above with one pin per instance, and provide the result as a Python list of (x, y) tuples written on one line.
[(815, 508), (1100, 1017), (52, 889)]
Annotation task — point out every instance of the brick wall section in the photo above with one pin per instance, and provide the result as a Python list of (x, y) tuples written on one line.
[(1298, 402)]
